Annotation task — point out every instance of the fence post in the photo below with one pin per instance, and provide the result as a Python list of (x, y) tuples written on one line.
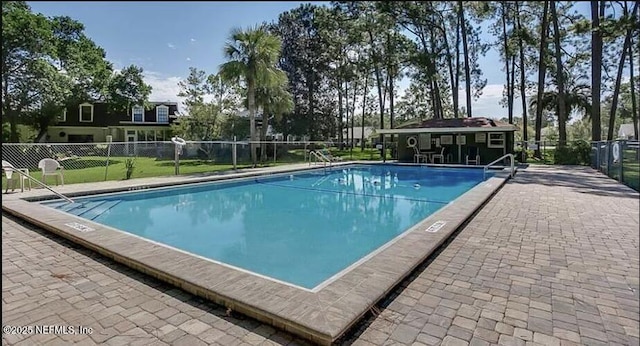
[(176, 159), (621, 148), (106, 168), (275, 150), (234, 152)]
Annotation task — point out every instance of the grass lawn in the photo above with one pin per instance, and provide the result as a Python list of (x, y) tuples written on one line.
[(346, 154), (92, 168), (547, 157), (358, 154), (631, 175), (631, 169)]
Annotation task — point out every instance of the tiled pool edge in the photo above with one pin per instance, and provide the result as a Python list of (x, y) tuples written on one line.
[(323, 316)]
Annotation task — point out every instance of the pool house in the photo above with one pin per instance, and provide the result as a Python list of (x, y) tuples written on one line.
[(476, 140)]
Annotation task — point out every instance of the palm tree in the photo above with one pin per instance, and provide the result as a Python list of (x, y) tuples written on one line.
[(275, 102), (577, 99), (252, 55)]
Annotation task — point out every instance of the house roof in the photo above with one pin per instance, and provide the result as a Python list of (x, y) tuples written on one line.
[(166, 103), (476, 124)]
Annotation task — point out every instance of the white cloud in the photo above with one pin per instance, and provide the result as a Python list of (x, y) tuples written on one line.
[(488, 104), (193, 40), (164, 88), (188, 59), (171, 45)]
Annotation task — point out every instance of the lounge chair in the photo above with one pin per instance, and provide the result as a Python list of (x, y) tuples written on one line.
[(51, 167)]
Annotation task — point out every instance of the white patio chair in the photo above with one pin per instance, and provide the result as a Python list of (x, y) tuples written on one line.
[(14, 178), (418, 156), (473, 156), (51, 167), (438, 156)]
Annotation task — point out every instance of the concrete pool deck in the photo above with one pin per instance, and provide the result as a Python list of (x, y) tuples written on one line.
[(552, 257), (321, 315)]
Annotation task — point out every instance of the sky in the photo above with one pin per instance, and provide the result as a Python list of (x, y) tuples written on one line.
[(166, 38)]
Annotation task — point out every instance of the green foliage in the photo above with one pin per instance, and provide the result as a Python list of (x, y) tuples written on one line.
[(46, 63), (204, 121), (252, 56), (127, 89), (305, 56), (129, 165), (576, 153), (235, 125)]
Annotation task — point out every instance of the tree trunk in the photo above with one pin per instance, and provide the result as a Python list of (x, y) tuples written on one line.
[(510, 81), (542, 71), (311, 95), (457, 105), (353, 113), (616, 90), (340, 114), (14, 136), (454, 87), (364, 105), (634, 105), (523, 78), (251, 95), (467, 73), (433, 73), (376, 68), (562, 105), (596, 70), (263, 133), (346, 111)]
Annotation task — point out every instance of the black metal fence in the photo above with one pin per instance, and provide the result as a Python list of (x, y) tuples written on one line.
[(619, 160)]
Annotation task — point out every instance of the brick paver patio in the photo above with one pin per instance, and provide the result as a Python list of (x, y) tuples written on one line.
[(552, 259)]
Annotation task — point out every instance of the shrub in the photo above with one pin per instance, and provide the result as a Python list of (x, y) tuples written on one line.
[(130, 165), (577, 153)]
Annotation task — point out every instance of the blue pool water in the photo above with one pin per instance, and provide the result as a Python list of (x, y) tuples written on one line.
[(300, 228)]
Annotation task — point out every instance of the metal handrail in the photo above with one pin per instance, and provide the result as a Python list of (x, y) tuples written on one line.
[(510, 156), (324, 157), (15, 170), (319, 156)]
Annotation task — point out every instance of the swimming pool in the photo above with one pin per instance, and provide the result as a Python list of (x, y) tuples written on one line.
[(301, 228)]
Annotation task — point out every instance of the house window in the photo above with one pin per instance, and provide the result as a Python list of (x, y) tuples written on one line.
[(162, 114), (86, 113), (137, 114), (496, 140), (63, 116)]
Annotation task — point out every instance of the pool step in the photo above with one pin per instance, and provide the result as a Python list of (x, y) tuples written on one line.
[(78, 207), (96, 210)]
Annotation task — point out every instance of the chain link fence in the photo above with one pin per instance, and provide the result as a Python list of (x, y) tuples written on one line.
[(90, 162)]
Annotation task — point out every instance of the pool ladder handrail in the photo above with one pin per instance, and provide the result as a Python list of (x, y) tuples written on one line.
[(512, 165), (15, 170), (319, 157)]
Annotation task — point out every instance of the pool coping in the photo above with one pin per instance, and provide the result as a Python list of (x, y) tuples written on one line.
[(322, 316)]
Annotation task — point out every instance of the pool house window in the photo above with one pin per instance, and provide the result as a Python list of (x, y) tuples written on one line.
[(86, 113), (496, 140), (137, 114), (162, 114)]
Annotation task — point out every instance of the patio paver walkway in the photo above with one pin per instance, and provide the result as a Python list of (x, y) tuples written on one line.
[(552, 259)]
